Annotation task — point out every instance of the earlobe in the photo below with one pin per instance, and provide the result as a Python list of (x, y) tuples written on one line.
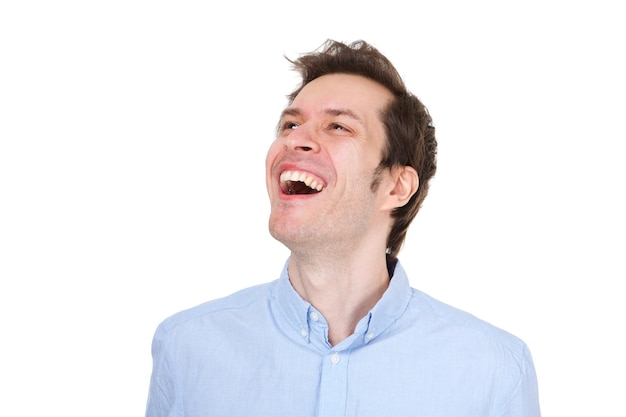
[(406, 183)]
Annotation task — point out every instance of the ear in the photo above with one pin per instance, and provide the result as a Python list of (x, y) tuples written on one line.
[(405, 184)]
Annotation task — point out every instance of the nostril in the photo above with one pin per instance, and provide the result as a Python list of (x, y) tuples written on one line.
[(305, 148)]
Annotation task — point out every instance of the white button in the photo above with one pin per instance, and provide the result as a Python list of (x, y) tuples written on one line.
[(335, 358), (314, 316), (370, 336), (303, 333)]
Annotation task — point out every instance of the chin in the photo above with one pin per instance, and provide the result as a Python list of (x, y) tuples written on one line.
[(287, 234)]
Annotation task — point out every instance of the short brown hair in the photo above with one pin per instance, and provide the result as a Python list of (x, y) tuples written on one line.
[(408, 125)]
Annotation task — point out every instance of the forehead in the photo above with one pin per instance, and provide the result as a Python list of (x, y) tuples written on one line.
[(354, 93)]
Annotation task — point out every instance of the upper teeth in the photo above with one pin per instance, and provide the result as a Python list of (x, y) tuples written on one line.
[(302, 177)]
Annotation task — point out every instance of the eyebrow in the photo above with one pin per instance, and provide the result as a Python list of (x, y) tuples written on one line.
[(294, 111)]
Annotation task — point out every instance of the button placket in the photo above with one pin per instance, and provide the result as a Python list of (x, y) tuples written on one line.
[(334, 383)]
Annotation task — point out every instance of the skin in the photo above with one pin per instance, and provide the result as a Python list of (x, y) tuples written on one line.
[(333, 132)]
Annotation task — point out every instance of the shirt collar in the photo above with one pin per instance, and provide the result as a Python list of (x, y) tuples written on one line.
[(293, 313)]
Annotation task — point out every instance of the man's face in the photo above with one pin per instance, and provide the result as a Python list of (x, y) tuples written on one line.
[(321, 167)]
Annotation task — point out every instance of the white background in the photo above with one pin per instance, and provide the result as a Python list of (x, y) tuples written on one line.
[(132, 144)]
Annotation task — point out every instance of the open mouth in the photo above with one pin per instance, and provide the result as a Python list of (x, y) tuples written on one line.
[(296, 182)]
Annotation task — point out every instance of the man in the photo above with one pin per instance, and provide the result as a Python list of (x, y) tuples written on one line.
[(341, 332)]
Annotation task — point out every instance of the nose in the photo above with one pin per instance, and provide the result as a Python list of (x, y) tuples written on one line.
[(302, 139)]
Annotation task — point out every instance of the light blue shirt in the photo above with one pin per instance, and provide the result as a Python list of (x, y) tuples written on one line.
[(264, 351)]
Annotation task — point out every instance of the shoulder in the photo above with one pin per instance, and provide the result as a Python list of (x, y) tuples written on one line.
[(463, 328), (461, 345), (474, 345), (241, 302)]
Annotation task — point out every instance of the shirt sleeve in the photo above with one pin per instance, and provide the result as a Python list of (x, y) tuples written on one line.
[(525, 399), (163, 396)]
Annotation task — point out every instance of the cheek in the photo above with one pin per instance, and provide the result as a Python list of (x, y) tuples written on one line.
[(356, 158), (270, 158)]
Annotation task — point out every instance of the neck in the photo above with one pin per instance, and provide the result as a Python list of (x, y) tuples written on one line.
[(343, 289)]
